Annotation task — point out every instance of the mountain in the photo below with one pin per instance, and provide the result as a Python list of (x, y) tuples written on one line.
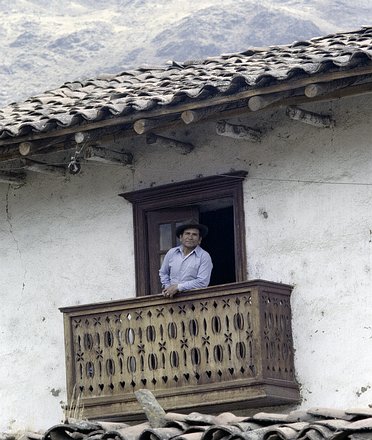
[(45, 43)]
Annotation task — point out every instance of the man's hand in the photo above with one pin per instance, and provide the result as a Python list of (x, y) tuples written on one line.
[(170, 291)]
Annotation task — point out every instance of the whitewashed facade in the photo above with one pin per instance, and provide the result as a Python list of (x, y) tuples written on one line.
[(308, 223)]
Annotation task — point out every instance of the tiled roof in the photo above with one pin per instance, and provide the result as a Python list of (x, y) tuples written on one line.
[(150, 88), (313, 424)]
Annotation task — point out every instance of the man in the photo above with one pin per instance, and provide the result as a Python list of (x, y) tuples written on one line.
[(187, 266)]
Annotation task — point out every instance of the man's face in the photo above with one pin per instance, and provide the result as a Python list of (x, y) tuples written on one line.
[(190, 238)]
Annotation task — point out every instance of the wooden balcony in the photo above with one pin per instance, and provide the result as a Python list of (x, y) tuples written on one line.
[(216, 349)]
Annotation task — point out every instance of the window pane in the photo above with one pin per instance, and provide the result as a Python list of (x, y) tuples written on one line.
[(165, 236)]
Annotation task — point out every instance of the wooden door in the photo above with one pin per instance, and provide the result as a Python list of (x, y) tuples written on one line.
[(161, 228)]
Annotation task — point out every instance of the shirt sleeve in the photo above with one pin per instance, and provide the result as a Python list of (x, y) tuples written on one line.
[(203, 277), (164, 272)]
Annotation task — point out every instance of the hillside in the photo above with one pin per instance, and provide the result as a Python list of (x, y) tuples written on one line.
[(45, 43)]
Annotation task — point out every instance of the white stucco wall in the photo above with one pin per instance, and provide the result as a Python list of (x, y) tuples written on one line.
[(62, 243), (308, 214)]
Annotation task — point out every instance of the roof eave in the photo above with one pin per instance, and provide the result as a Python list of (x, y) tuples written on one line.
[(169, 111)]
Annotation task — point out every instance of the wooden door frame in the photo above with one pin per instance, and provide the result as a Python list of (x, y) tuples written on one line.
[(174, 195)]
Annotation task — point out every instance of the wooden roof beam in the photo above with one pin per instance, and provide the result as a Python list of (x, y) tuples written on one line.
[(224, 128), (184, 147), (104, 155), (25, 148), (143, 126), (192, 116), (260, 102), (311, 118), (320, 89), (29, 148), (42, 168)]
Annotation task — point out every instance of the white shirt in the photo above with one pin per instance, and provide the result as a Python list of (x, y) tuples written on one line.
[(192, 271)]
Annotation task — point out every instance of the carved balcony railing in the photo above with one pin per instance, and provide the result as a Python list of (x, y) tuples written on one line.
[(215, 349)]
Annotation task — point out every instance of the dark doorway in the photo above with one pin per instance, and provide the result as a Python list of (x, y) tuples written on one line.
[(220, 244)]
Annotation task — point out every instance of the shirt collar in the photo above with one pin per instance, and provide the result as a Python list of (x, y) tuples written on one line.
[(197, 250)]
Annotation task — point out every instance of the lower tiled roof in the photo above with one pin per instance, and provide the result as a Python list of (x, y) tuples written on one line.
[(313, 424), (149, 88)]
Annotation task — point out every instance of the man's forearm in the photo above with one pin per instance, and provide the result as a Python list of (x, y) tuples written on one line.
[(193, 284)]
